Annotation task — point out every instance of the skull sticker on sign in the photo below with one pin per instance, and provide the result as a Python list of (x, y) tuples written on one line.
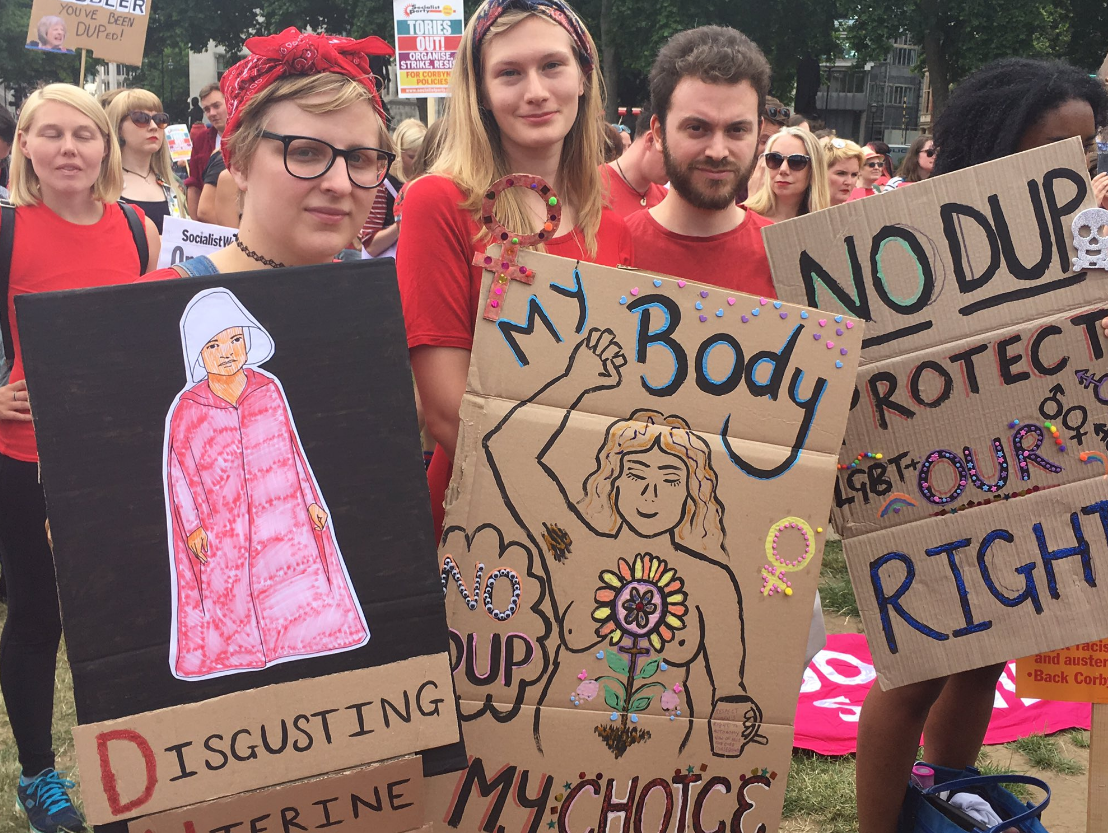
[(1090, 233)]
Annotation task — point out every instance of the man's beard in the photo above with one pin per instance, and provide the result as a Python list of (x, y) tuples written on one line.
[(719, 194)]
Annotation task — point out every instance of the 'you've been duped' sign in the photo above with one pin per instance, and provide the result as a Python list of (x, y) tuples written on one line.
[(978, 535), (630, 556)]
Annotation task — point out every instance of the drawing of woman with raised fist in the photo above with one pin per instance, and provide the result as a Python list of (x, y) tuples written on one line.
[(647, 538)]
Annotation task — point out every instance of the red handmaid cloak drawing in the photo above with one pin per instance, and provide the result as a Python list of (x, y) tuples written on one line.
[(257, 572)]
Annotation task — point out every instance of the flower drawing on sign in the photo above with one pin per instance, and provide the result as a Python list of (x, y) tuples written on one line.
[(640, 602), (644, 600), (258, 577)]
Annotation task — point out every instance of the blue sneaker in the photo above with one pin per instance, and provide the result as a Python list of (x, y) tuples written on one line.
[(45, 799)]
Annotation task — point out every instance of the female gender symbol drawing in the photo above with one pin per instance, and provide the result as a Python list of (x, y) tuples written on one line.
[(651, 524), (258, 578)]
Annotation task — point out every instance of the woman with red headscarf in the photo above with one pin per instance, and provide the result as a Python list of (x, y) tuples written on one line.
[(525, 98), (304, 141)]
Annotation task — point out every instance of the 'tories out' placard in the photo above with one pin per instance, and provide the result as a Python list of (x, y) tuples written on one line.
[(427, 38), (971, 493), (114, 30)]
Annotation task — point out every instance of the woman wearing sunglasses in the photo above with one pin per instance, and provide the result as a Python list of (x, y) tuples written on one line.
[(844, 162), (795, 181), (148, 179), (303, 141), (873, 168), (917, 165)]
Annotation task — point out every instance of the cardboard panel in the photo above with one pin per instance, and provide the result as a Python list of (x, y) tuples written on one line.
[(114, 30), (384, 798), (344, 443), (977, 444), (625, 471)]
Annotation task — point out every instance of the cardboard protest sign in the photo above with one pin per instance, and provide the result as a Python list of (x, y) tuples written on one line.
[(114, 30), (631, 549), (971, 494), (227, 507), (383, 798), (1078, 674), (185, 239)]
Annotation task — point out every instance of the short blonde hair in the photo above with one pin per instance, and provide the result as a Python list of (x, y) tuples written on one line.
[(120, 107), (408, 135), (817, 196), (836, 150), (474, 157), (340, 91), (25, 186)]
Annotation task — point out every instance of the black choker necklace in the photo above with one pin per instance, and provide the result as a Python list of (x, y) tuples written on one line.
[(642, 195), (253, 255)]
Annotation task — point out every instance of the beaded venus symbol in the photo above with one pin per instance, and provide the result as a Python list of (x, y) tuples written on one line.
[(504, 265)]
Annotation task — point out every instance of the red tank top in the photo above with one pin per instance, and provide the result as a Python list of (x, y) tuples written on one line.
[(51, 254)]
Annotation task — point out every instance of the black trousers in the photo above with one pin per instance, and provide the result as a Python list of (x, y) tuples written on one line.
[(29, 643)]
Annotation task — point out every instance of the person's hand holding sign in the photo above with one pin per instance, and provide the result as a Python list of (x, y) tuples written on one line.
[(14, 403)]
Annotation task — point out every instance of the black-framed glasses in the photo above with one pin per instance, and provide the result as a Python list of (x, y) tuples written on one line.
[(778, 113), (797, 161), (310, 158), (140, 118)]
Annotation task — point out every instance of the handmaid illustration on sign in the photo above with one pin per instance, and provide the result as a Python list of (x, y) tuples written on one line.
[(258, 578)]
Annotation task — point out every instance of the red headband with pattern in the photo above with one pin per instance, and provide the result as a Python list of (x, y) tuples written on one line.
[(293, 52)]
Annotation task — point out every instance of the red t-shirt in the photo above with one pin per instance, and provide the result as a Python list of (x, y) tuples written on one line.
[(439, 284), (625, 200), (733, 260), (51, 254), (203, 146), (441, 288)]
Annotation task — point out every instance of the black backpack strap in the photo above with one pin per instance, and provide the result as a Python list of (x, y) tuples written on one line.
[(138, 231), (7, 243)]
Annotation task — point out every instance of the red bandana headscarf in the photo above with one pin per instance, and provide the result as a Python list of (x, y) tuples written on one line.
[(295, 53), (555, 10)]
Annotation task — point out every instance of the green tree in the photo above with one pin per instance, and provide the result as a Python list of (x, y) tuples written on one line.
[(958, 36)]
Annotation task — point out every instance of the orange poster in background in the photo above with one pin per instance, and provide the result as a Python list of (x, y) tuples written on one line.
[(1078, 674)]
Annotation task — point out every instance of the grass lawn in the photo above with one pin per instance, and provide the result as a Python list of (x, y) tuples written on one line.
[(820, 793)]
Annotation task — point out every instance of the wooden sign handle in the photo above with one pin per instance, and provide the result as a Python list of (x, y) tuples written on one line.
[(1097, 814)]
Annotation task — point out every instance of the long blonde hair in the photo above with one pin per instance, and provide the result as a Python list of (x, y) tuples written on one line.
[(25, 186), (474, 157), (161, 163), (701, 527), (817, 195)]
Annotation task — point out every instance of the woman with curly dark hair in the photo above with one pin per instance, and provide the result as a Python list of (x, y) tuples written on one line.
[(1007, 106)]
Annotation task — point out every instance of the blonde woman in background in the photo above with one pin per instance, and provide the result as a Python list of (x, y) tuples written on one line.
[(408, 138), (70, 233), (795, 182), (148, 179), (844, 161)]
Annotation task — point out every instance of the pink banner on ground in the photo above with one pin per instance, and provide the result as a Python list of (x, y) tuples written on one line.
[(836, 683)]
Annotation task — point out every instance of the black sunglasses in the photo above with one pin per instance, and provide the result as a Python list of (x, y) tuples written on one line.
[(781, 113), (309, 158), (875, 164), (929, 151), (797, 161), (140, 118)]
